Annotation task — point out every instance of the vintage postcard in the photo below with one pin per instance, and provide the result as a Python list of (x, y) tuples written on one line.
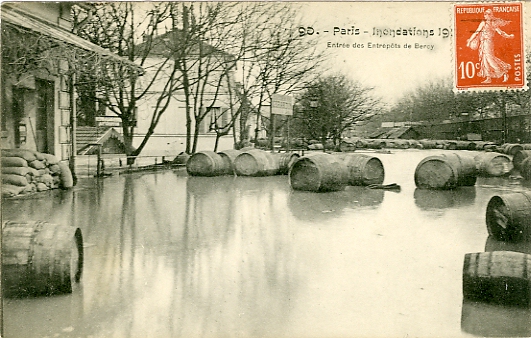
[(266, 169)]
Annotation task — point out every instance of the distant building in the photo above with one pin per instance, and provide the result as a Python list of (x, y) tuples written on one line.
[(170, 133)]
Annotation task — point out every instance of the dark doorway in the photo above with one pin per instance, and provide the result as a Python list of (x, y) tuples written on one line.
[(18, 114), (44, 130)]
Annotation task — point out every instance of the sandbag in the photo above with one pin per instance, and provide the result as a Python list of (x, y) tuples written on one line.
[(37, 164), (28, 155), (13, 162), (42, 187), (22, 171), (67, 181), (54, 169), (46, 179), (10, 190), (50, 159), (15, 180)]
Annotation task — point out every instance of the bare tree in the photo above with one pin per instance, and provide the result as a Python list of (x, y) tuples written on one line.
[(331, 105), (116, 27)]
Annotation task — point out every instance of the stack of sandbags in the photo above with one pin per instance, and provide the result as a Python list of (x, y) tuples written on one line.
[(27, 171)]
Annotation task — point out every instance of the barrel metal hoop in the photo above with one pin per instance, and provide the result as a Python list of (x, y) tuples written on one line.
[(36, 230)]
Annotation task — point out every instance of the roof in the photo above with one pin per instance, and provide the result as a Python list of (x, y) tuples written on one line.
[(28, 22), (87, 138), (391, 133)]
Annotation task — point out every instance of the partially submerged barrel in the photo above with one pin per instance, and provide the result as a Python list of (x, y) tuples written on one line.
[(256, 162), (286, 160), (40, 258), (511, 148), (228, 156), (525, 168), (508, 217), (446, 171), (493, 164), (519, 157), (500, 277), (363, 169), (428, 144), (205, 163), (319, 172)]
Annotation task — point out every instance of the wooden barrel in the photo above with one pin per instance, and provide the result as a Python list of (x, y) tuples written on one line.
[(40, 258), (490, 147), (446, 171), (452, 145), (519, 157), (228, 156), (256, 162), (286, 160), (205, 163), (363, 169), (511, 148), (525, 168), (376, 144), (319, 172), (181, 159), (493, 164), (500, 277), (508, 217), (428, 144)]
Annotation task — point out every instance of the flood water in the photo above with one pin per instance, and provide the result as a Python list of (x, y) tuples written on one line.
[(167, 255)]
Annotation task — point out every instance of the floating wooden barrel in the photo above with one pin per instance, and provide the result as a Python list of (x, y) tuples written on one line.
[(467, 145), (205, 163), (286, 160), (446, 171), (508, 217), (451, 145), (182, 158), (493, 164), (228, 156), (361, 143), (319, 172), (376, 144), (428, 144), (519, 157), (40, 258), (256, 162), (511, 148), (525, 168), (363, 169), (500, 277), (490, 147)]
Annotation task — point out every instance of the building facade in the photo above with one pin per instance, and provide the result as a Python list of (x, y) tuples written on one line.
[(39, 57)]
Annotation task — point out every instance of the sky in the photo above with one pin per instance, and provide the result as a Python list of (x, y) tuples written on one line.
[(391, 71)]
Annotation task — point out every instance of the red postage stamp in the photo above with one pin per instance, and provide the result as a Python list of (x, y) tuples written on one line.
[(489, 46)]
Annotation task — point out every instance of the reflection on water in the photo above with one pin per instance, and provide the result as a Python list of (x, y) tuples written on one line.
[(488, 320), (443, 199), (494, 245), (318, 207), (167, 255), (185, 247)]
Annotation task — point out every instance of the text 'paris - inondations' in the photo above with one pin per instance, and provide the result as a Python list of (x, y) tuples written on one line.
[(380, 32)]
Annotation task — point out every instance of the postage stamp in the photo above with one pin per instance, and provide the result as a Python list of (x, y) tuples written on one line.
[(489, 46)]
